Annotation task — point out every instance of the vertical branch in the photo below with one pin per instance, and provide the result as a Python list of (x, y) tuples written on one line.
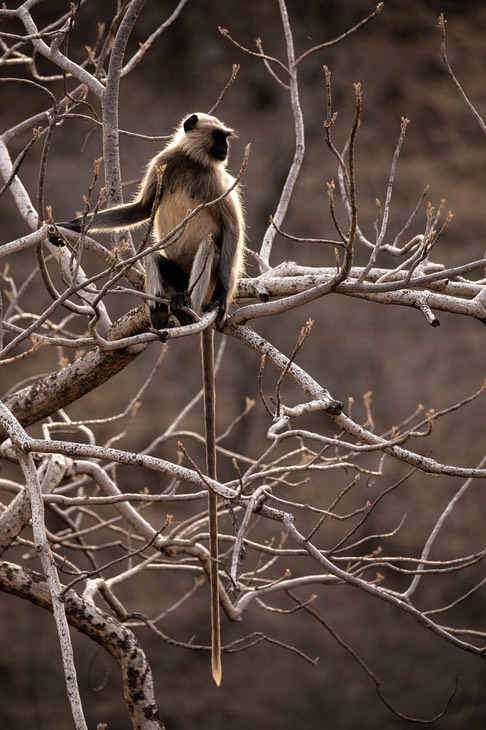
[(1, 320), (386, 210), (279, 215), (207, 348), (347, 178), (111, 141), (20, 441), (353, 223)]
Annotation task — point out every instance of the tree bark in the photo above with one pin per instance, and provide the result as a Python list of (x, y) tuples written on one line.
[(57, 390), (116, 639)]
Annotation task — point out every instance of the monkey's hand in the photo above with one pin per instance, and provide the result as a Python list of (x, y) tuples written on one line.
[(160, 316), (180, 305), (72, 225), (165, 315), (56, 241)]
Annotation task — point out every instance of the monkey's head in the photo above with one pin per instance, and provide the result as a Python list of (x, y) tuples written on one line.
[(205, 138)]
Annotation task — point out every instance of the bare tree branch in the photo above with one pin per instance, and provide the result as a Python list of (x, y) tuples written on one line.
[(311, 489), (104, 630)]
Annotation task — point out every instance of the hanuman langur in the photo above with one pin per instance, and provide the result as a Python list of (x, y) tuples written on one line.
[(201, 264)]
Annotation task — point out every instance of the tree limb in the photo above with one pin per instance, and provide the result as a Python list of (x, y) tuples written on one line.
[(116, 639)]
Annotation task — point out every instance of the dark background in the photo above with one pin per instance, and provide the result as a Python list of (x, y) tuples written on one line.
[(355, 347)]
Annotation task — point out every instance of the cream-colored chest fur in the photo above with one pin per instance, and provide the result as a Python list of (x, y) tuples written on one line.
[(173, 208)]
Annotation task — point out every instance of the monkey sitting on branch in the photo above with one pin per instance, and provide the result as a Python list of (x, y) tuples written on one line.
[(200, 265)]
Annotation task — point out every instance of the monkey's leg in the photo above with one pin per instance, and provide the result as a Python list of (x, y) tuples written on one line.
[(207, 347), (165, 279), (219, 300)]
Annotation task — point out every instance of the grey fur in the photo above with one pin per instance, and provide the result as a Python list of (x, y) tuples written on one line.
[(207, 253), (205, 261)]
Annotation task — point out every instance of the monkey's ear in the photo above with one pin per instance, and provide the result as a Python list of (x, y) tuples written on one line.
[(190, 123)]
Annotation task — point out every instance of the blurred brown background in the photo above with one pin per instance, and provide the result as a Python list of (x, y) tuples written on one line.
[(355, 347)]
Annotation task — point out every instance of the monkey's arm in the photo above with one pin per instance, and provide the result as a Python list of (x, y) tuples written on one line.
[(112, 219), (119, 217)]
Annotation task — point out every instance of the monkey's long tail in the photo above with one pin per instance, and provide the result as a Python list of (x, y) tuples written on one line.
[(207, 347)]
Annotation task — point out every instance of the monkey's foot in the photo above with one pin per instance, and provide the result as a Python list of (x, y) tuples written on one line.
[(220, 306), (160, 316), (180, 304), (164, 316)]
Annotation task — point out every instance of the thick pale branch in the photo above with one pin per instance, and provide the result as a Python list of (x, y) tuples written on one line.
[(17, 189), (57, 390), (334, 409), (433, 290), (100, 627), (111, 151), (119, 456)]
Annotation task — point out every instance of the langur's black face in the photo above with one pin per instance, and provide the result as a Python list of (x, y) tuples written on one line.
[(219, 144)]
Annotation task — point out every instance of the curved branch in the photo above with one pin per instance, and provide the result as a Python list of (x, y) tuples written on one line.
[(57, 390), (340, 38), (462, 93), (116, 639), (53, 53), (299, 286)]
